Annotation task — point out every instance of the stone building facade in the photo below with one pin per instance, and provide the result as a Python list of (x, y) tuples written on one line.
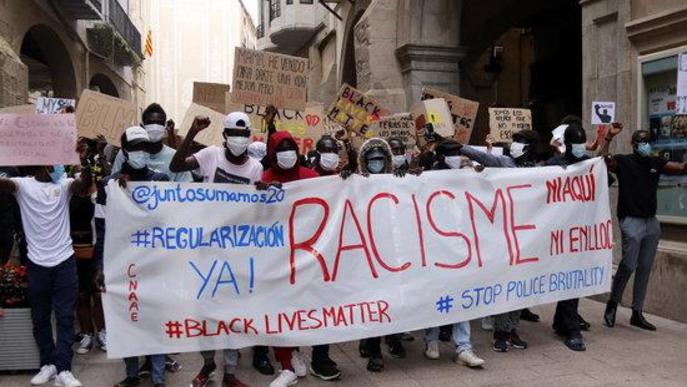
[(60, 47), (553, 56)]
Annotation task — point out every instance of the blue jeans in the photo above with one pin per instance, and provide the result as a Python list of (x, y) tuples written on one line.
[(54, 289), (157, 368), (460, 336)]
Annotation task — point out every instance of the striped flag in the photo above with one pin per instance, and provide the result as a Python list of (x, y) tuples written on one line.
[(149, 44)]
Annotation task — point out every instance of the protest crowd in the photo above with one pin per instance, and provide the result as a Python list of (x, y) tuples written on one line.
[(54, 221)]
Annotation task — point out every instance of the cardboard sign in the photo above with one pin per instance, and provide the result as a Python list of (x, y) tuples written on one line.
[(306, 127), (46, 105), (264, 78), (101, 114), (504, 122), (398, 125), (227, 266), (464, 112), (355, 110), (19, 109), (38, 139), (436, 112), (681, 94), (212, 95), (603, 112), (211, 135)]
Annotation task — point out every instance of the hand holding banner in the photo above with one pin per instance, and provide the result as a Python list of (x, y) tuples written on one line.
[(37, 139)]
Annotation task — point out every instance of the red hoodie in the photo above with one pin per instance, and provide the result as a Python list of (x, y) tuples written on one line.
[(274, 173)]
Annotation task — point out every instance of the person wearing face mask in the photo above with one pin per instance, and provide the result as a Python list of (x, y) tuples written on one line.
[(228, 164), (399, 159), (326, 158), (154, 120), (135, 144), (638, 176), (43, 201), (447, 156)]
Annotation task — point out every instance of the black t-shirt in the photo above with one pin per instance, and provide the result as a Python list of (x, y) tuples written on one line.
[(638, 182)]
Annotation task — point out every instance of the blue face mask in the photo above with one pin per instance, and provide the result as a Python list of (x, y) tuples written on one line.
[(375, 166), (644, 149), (578, 150), (57, 173)]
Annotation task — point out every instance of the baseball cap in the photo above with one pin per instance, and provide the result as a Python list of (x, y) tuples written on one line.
[(136, 134), (237, 120)]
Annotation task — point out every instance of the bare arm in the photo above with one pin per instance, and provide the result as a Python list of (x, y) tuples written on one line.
[(7, 186), (611, 132), (82, 186), (182, 161), (675, 168)]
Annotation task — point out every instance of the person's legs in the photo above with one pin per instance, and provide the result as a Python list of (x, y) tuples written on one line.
[(231, 361), (645, 262), (320, 353), (431, 335), (66, 289), (157, 374), (374, 347), (131, 364), (396, 348), (568, 324), (208, 356), (631, 230), (40, 292), (460, 335)]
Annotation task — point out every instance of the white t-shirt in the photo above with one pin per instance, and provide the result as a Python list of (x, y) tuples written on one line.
[(215, 168), (45, 217), (159, 162)]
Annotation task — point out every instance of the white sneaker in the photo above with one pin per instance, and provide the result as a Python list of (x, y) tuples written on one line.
[(488, 323), (85, 344), (46, 374), (432, 350), (286, 378), (66, 379), (299, 364), (102, 340), (468, 358)]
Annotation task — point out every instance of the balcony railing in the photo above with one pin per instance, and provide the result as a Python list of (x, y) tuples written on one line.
[(120, 20), (82, 9)]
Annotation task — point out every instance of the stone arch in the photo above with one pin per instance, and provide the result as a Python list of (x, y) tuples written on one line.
[(48, 61), (102, 83), (349, 72)]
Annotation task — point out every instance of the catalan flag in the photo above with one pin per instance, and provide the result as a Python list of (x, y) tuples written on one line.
[(149, 44)]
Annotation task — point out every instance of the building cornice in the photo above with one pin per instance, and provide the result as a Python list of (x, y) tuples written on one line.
[(429, 58), (659, 23)]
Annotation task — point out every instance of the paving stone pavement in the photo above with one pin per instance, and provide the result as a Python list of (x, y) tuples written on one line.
[(622, 356)]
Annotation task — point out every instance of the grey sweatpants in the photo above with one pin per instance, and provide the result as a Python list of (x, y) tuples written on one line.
[(640, 241), (231, 359), (508, 321)]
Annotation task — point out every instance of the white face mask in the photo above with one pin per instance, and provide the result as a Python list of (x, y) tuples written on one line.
[(578, 150), (517, 149), (237, 145), (155, 132), (453, 162), (398, 160), (287, 159), (138, 159), (329, 161)]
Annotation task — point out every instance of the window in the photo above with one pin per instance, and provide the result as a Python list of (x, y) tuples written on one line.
[(668, 129), (306, 1), (275, 9)]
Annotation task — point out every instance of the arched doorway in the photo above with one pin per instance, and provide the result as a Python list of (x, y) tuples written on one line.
[(349, 72), (102, 83), (51, 72)]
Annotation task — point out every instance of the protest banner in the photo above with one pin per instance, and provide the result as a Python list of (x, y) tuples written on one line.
[(37, 139), (265, 78), (101, 114), (213, 95), (464, 112), (681, 91), (504, 122), (355, 110), (45, 105), (19, 109), (603, 112), (397, 125), (207, 266), (432, 111), (211, 135)]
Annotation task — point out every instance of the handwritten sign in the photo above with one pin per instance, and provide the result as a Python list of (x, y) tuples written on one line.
[(37, 139), (603, 112), (101, 114), (269, 272), (435, 112), (397, 125), (212, 95), (464, 112), (355, 110), (504, 122), (306, 127), (211, 135), (46, 105), (264, 78)]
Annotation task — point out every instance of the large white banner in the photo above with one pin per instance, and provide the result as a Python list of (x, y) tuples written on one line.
[(209, 266)]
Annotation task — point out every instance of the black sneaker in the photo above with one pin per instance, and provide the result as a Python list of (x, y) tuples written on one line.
[(325, 369), (262, 363), (516, 341), (528, 315), (500, 341), (171, 365), (396, 350), (375, 363), (129, 381)]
